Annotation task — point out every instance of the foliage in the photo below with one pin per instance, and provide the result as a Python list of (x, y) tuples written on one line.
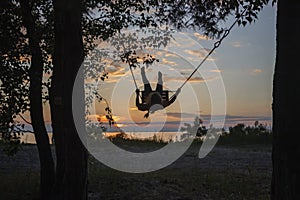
[(197, 129), (101, 20), (207, 16), (14, 72), (191, 129), (241, 134), (237, 135), (241, 130), (16, 56), (15, 61)]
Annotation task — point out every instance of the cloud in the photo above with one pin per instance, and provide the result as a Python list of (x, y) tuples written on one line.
[(198, 53), (201, 37), (118, 73), (186, 72), (201, 53), (236, 44), (115, 70), (168, 54), (196, 80), (168, 62), (230, 120), (193, 79), (102, 118), (178, 116), (216, 71), (256, 71)]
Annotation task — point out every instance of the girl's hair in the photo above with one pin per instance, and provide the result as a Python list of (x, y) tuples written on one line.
[(154, 98)]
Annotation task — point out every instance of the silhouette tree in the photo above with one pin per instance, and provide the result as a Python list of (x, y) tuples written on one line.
[(27, 45), (286, 154), (205, 16), (71, 174), (22, 53), (68, 57), (196, 129), (36, 100)]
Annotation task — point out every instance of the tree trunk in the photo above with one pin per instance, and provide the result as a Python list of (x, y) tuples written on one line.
[(286, 104), (36, 105), (68, 59), (56, 107), (57, 120)]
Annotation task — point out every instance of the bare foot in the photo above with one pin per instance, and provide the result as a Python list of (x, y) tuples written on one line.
[(159, 74)]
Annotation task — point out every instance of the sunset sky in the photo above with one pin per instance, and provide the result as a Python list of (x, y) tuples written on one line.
[(244, 61)]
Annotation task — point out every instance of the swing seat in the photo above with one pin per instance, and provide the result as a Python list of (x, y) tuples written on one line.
[(164, 95)]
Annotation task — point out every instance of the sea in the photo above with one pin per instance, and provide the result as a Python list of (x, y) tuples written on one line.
[(166, 136), (28, 138)]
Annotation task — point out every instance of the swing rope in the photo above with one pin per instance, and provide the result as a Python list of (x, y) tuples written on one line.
[(126, 57), (216, 45), (136, 87)]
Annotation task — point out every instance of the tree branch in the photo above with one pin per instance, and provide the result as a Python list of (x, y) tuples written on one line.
[(25, 120)]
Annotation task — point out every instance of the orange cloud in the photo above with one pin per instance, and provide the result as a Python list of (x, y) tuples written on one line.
[(236, 44), (256, 71), (198, 53), (201, 53), (168, 62), (201, 37), (102, 118), (216, 71), (192, 80)]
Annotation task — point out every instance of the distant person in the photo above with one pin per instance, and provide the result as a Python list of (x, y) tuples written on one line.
[(154, 100)]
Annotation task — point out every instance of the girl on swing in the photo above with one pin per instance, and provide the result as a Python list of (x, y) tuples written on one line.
[(153, 97)]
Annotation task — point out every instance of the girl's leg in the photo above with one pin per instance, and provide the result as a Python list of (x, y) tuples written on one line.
[(159, 85), (147, 86)]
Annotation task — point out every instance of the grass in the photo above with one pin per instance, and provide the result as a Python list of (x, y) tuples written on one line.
[(179, 184), (19, 185), (136, 145), (244, 140), (169, 183), (105, 183)]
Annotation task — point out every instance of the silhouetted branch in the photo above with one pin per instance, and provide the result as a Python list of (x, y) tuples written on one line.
[(25, 120)]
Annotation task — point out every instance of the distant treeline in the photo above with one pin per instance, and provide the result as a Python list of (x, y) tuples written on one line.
[(242, 134)]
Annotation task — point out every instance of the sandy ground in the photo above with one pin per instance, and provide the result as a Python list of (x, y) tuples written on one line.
[(221, 157), (238, 159)]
